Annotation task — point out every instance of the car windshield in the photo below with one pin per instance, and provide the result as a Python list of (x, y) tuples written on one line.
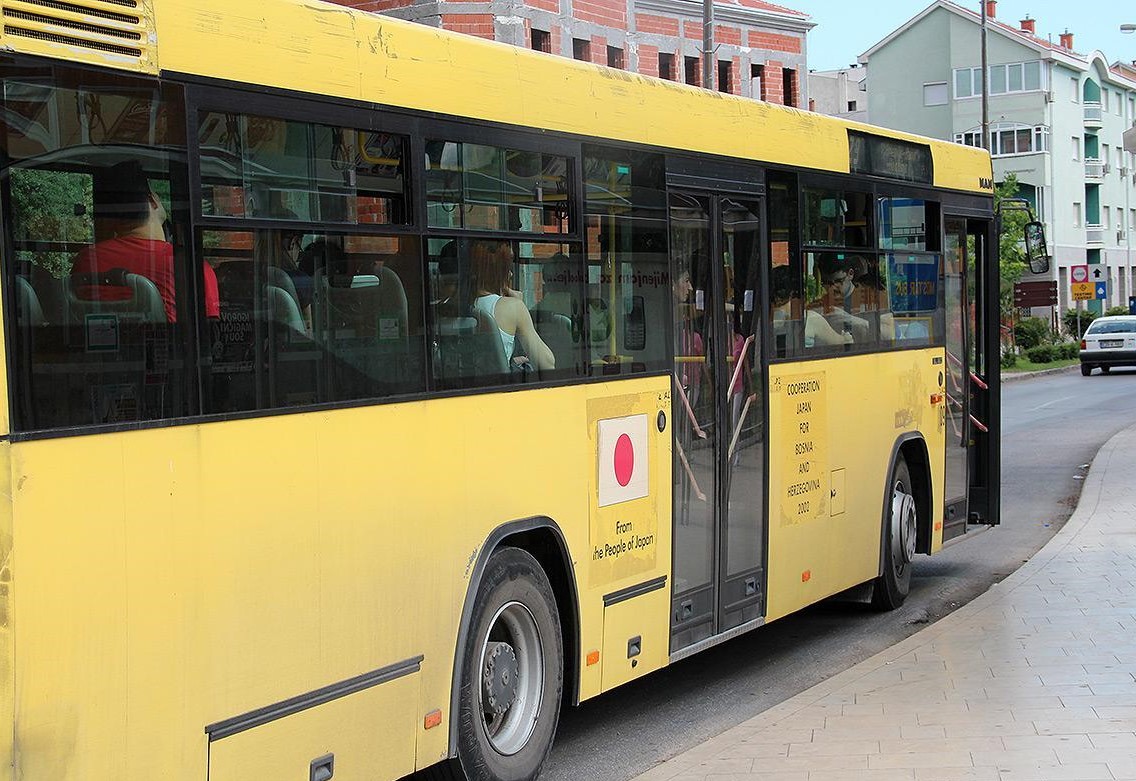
[(1113, 327)]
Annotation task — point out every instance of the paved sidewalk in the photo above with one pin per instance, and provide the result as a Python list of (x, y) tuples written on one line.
[(1034, 680)]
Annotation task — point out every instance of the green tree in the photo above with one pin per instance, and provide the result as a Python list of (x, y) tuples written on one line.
[(1011, 244), (51, 207)]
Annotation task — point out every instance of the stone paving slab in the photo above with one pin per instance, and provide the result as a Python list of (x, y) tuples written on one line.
[(1035, 680)]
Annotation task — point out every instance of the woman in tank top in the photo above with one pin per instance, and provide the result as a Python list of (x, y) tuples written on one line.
[(491, 269)]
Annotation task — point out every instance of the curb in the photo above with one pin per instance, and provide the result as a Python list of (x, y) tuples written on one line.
[(1017, 376)]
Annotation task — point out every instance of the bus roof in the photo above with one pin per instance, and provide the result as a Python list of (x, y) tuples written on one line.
[(325, 49)]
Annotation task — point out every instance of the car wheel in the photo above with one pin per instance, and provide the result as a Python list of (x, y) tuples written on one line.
[(1105, 369), (1086, 370)]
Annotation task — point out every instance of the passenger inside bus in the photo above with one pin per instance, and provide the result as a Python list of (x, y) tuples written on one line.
[(817, 331), (838, 295), (491, 272), (131, 239)]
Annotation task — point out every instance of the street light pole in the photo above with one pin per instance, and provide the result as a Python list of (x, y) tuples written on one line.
[(985, 85), (708, 44)]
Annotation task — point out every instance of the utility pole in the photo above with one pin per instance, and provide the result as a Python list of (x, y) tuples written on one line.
[(708, 44), (985, 85)]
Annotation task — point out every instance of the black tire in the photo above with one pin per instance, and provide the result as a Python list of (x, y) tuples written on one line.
[(901, 526), (1105, 369), (511, 740), (1086, 369)]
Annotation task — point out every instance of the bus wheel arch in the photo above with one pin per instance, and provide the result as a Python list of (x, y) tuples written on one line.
[(905, 516), (542, 543)]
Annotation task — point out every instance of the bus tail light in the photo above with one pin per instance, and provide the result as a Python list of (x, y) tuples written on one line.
[(433, 719)]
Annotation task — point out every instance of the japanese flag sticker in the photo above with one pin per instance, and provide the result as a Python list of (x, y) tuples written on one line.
[(623, 466)]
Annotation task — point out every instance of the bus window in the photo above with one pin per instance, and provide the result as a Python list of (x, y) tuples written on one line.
[(786, 296), (835, 218), (255, 166), (313, 317), (505, 312), (629, 285), (96, 265), (479, 187)]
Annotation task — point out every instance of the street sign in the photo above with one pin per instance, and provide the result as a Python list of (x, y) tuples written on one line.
[(1079, 273), (1027, 294), (1082, 291), (1101, 290), (1099, 273)]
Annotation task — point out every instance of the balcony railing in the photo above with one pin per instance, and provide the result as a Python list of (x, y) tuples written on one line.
[(1094, 168), (1094, 235), (1093, 114)]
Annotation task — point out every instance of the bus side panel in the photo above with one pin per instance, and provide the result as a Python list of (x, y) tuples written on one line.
[(179, 578), (833, 424), (7, 633)]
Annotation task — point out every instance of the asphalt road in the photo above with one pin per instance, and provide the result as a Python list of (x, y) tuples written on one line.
[(1051, 427)]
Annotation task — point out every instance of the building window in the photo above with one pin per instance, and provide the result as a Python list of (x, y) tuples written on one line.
[(725, 76), (666, 66), (1009, 138), (1076, 215), (692, 70), (1104, 217), (582, 49), (789, 86), (935, 94), (542, 41), (1075, 84), (1011, 77), (615, 57), (757, 81), (1076, 147), (851, 106), (1104, 99)]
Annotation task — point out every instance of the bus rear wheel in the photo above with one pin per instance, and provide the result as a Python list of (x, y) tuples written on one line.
[(512, 672), (901, 528)]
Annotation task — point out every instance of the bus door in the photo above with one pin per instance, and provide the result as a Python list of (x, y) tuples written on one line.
[(972, 325), (718, 409)]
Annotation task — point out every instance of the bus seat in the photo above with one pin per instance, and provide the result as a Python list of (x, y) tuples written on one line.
[(283, 309), (145, 302), (363, 305), (29, 313), (556, 332)]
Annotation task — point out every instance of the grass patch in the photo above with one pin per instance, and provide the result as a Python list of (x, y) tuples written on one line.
[(1024, 364)]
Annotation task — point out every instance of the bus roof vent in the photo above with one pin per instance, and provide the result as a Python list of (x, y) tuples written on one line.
[(116, 33)]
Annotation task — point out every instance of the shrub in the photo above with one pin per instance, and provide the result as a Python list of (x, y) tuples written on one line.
[(1043, 353), (1068, 350), (1030, 332), (1009, 359), (1113, 311), (1070, 321)]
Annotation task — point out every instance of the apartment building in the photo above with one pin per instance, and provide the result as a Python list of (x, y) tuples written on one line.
[(1057, 117), (760, 48), (840, 93)]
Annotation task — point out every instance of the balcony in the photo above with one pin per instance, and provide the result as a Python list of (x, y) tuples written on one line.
[(1094, 168), (1094, 116), (1094, 236)]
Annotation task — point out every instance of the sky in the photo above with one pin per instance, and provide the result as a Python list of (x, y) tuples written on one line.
[(848, 28)]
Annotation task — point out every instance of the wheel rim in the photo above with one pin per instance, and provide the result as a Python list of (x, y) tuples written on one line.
[(903, 526), (511, 681)]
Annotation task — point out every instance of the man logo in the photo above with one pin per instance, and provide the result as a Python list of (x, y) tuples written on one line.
[(986, 184)]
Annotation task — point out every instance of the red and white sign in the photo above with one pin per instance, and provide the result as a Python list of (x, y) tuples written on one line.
[(1079, 273), (623, 466)]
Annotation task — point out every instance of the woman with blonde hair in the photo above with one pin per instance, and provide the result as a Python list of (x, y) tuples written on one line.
[(491, 271)]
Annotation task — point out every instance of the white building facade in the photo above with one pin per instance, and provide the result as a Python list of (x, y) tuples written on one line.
[(1056, 116)]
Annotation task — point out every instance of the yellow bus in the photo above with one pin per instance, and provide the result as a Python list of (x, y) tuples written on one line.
[(374, 390)]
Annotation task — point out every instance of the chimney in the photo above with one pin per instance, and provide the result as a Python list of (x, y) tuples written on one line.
[(990, 6), (1029, 25), (1067, 40)]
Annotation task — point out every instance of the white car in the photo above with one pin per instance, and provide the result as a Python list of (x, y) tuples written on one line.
[(1108, 342)]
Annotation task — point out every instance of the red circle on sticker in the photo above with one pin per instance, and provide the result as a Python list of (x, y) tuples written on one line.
[(624, 460)]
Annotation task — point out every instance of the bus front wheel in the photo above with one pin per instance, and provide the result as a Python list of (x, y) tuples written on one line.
[(512, 672), (901, 528)]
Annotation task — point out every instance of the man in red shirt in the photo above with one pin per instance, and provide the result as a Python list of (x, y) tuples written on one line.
[(130, 219)]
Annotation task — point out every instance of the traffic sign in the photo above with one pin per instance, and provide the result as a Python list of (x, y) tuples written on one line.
[(1082, 291), (1101, 290), (1027, 294), (1079, 273), (1099, 273)]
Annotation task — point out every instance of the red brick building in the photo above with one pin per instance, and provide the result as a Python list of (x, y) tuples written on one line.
[(760, 47)]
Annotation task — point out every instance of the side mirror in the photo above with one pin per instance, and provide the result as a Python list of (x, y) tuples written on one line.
[(1036, 252)]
